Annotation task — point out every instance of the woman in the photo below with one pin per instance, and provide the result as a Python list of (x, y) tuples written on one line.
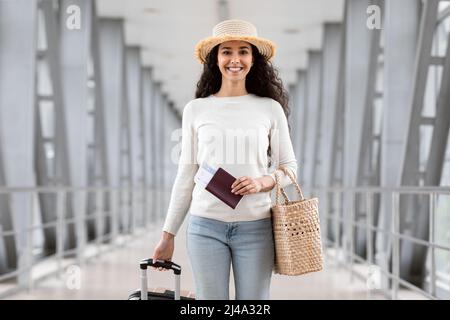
[(239, 96)]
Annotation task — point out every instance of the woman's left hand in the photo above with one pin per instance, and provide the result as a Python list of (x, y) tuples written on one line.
[(246, 185)]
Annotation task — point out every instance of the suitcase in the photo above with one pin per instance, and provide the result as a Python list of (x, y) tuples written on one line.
[(144, 294)]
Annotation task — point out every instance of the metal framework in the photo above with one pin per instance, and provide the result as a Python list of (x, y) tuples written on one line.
[(98, 166), (158, 138), (299, 109), (164, 152), (61, 134), (363, 268), (134, 89), (313, 84), (18, 20), (126, 165), (113, 74), (368, 164), (335, 174), (329, 82), (155, 143), (357, 53), (425, 169), (52, 159), (147, 143), (5, 215), (326, 112), (400, 43)]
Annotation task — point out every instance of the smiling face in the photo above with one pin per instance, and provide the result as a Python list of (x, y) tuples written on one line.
[(235, 60)]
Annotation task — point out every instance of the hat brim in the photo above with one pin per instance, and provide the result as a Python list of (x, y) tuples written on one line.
[(265, 47)]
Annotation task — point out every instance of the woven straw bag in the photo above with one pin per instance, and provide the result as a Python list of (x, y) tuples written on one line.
[(296, 230)]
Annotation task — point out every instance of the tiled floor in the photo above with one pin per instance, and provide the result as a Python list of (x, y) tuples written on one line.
[(115, 274)]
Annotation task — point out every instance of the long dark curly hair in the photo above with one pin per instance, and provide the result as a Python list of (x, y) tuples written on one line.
[(262, 80)]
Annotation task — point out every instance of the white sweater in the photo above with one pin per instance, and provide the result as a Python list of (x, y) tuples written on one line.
[(233, 133)]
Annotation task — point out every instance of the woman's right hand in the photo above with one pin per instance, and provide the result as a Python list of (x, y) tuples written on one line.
[(164, 249)]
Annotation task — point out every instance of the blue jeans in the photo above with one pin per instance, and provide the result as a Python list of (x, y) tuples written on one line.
[(214, 245)]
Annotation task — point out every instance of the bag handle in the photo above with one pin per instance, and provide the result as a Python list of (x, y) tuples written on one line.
[(280, 190)]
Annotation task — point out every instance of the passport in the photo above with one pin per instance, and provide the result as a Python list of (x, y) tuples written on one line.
[(220, 186)]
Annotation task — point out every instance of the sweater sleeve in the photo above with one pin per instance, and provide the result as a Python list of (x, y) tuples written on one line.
[(181, 195), (281, 146)]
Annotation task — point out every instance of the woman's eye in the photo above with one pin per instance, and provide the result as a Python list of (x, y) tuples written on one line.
[(228, 52)]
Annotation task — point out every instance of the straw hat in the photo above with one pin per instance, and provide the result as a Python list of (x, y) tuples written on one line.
[(234, 30)]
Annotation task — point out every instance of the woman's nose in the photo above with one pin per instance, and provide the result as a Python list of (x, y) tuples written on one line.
[(235, 59)]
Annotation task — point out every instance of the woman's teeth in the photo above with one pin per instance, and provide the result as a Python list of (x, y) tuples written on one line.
[(234, 69)]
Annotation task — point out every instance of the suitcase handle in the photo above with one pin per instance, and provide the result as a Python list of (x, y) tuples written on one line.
[(166, 264)]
